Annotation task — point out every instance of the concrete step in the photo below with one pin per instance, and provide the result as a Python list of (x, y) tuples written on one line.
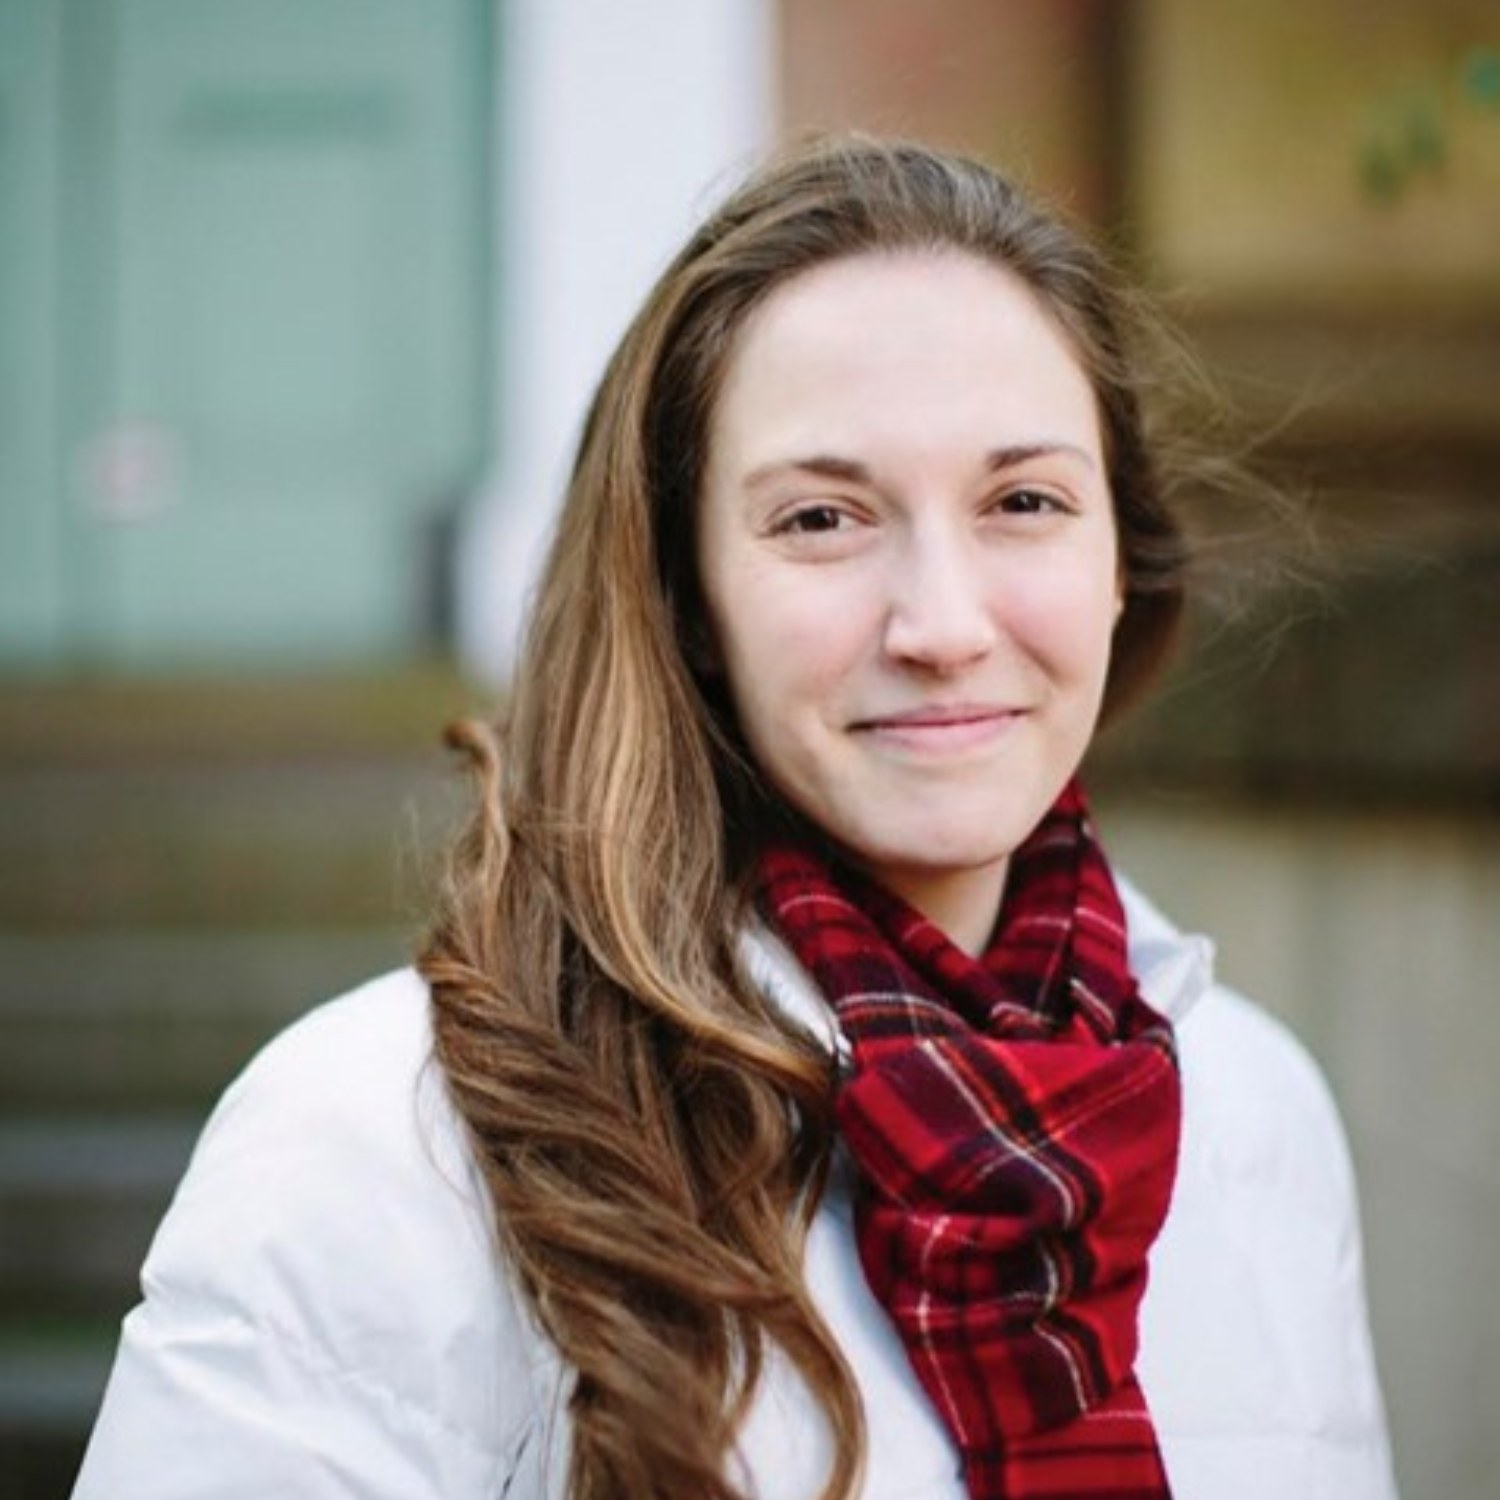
[(113, 1047), (51, 1379), (40, 1464), (80, 1199), (184, 868), (161, 1019), (297, 843), (52, 1376), (229, 720)]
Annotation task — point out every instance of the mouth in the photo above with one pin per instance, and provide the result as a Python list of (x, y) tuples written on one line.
[(942, 727)]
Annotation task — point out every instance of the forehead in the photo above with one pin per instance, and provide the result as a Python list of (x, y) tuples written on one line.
[(936, 340)]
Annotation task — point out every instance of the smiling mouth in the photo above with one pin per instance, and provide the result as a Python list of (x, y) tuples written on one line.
[(959, 727)]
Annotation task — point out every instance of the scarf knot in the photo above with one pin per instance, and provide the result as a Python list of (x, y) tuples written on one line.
[(1014, 1123)]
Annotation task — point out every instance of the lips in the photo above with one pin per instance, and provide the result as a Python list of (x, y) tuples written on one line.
[(942, 727)]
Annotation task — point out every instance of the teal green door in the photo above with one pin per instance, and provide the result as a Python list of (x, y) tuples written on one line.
[(269, 327), (31, 523)]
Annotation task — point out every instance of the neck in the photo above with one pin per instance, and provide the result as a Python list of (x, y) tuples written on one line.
[(964, 904)]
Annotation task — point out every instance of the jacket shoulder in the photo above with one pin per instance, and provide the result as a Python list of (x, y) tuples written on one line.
[(350, 1087), (327, 1274), (339, 1128), (1250, 1078), (1250, 1088), (1256, 1350)]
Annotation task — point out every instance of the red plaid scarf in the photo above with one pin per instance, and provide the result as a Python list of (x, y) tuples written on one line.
[(1015, 1121)]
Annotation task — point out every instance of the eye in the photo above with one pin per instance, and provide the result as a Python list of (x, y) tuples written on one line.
[(1029, 501), (812, 519)]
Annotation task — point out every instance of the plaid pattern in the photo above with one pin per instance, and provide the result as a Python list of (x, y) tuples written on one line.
[(1015, 1122)]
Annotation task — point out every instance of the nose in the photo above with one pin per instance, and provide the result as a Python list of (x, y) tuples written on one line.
[(940, 615)]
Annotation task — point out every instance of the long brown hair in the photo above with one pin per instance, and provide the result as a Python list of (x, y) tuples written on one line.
[(654, 1133)]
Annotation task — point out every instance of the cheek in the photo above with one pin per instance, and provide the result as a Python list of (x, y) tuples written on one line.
[(1066, 618), (791, 667), (777, 664), (790, 629)]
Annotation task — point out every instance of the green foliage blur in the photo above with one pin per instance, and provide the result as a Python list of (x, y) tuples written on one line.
[(1410, 129)]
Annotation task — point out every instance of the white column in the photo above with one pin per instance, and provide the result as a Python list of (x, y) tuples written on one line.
[(619, 123)]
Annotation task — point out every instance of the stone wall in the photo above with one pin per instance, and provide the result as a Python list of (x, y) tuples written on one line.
[(1375, 936)]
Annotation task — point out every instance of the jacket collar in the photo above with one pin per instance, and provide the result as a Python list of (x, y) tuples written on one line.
[(1173, 969)]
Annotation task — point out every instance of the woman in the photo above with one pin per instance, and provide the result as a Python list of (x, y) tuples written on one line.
[(790, 1103)]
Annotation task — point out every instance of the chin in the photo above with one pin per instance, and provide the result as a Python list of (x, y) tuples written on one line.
[(937, 859), (976, 837)]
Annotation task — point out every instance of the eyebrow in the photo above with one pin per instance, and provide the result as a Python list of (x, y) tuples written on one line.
[(831, 466), (825, 465), (1016, 454)]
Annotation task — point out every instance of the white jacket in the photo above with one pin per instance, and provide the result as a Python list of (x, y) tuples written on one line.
[(325, 1313)]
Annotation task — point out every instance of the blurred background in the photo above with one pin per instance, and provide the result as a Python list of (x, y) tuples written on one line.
[(299, 303)]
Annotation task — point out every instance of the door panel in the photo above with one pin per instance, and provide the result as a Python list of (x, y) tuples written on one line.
[(31, 539), (276, 227), (275, 333)]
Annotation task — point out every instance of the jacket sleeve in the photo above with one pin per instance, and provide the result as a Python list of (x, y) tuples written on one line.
[(1256, 1351), (324, 1313)]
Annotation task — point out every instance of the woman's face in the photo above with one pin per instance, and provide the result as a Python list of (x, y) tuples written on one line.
[(908, 555)]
